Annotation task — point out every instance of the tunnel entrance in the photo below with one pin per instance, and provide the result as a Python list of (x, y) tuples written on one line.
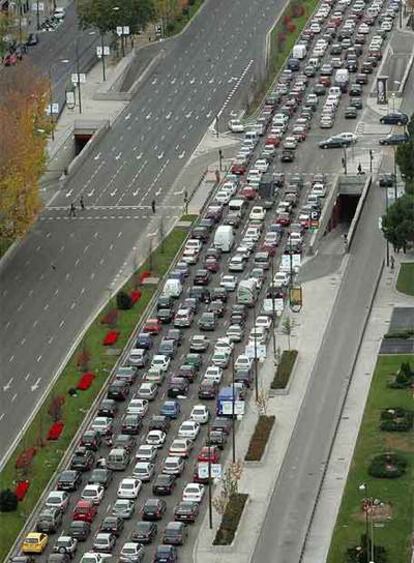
[(81, 140), (343, 210)]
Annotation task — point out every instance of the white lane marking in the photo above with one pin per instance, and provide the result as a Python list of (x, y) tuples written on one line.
[(26, 377), (36, 385), (8, 384)]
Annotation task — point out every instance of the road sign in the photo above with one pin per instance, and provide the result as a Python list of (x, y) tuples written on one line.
[(227, 407), (122, 30), (215, 470), (53, 109), (75, 78), (38, 6), (286, 261), (106, 51), (260, 351), (380, 223), (70, 99)]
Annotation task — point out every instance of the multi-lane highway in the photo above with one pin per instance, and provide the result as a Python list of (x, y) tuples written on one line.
[(44, 307)]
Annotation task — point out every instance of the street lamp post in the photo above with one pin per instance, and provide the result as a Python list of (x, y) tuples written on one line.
[(78, 75), (220, 152), (364, 487), (210, 500), (395, 173), (272, 289), (233, 400), (103, 57), (256, 380), (37, 16), (51, 96)]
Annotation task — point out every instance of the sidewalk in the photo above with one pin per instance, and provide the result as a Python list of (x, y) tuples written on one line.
[(257, 479), (329, 502)]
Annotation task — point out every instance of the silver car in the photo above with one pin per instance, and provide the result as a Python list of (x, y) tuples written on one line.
[(124, 508)]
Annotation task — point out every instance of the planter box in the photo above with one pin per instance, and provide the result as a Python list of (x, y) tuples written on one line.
[(228, 548), (262, 460), (285, 390), (262, 424)]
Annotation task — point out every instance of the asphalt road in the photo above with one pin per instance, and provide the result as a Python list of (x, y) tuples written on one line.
[(186, 407), (43, 307)]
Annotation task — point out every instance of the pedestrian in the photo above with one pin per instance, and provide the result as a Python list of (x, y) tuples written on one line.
[(153, 205), (72, 211), (82, 203), (359, 168), (53, 266), (392, 262)]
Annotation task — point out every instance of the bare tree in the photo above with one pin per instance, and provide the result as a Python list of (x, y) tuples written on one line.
[(288, 326), (262, 402), (229, 486)]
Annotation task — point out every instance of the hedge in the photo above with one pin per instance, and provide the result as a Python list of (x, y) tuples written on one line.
[(387, 466), (284, 369), (259, 438), (230, 520), (396, 420)]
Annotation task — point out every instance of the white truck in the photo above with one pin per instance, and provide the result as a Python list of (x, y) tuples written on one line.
[(299, 52), (224, 238), (342, 79)]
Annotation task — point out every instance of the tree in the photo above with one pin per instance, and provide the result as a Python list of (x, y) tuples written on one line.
[(288, 325), (123, 301), (101, 14), (398, 222), (230, 486), (8, 501)]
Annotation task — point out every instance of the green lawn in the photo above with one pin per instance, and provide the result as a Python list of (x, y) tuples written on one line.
[(49, 454), (405, 282), (395, 533)]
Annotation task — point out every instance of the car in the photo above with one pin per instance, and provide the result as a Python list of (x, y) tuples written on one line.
[(207, 453), (287, 156), (79, 530), (112, 525), (104, 542), (93, 493), (177, 387), (236, 126), (394, 118), (235, 333), (159, 422), (118, 391), (228, 282), (92, 557), (200, 414), (34, 542), (66, 544), (138, 407), (152, 326), (146, 452), (165, 302), (165, 554), (131, 552), (144, 471), (180, 447), (57, 499), (156, 438), (147, 391), (351, 112), (217, 438), (131, 424), (386, 180), (220, 358), (189, 429), (104, 424), (356, 103), (175, 533), (170, 409), (243, 362), (164, 484), (161, 362), (69, 480), (264, 321), (144, 340), (237, 263), (183, 318), (186, 511), (91, 439), (193, 492), (188, 372), (173, 465), (334, 143), (138, 357), (395, 139), (144, 532), (124, 508), (208, 389), (108, 408), (154, 375), (217, 307), (49, 520), (199, 343), (101, 476), (168, 348), (207, 321), (211, 264)]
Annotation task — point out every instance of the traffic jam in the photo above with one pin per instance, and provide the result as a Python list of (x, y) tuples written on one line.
[(135, 487)]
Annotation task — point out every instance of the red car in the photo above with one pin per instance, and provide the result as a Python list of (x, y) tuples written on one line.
[(212, 265), (325, 80), (85, 511), (270, 248), (153, 326), (206, 453), (273, 140), (283, 219), (248, 193), (238, 168)]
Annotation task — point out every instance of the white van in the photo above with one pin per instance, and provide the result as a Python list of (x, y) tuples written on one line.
[(247, 292), (173, 288), (238, 206), (299, 52), (224, 238), (252, 136)]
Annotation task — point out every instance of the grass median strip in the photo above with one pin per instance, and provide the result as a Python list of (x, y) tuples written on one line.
[(392, 520), (405, 281), (49, 453)]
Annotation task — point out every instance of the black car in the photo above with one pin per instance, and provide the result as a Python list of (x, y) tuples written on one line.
[(361, 79), (108, 408), (218, 308), (334, 143), (222, 423), (82, 459), (144, 532), (244, 376), (188, 372), (91, 439), (177, 386), (208, 389), (356, 103), (207, 321), (165, 315), (352, 65), (186, 511), (386, 180), (176, 335), (69, 480), (355, 90), (118, 391), (206, 223), (202, 277), (287, 156), (79, 530), (112, 525), (163, 484), (200, 233), (175, 533), (168, 347), (233, 219), (367, 67), (125, 441), (101, 476), (165, 554), (200, 293), (165, 302), (395, 139), (217, 438), (394, 118), (159, 422), (154, 509), (219, 294), (351, 113), (131, 424)]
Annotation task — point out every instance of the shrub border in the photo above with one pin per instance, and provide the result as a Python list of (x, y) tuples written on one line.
[(230, 520), (260, 437), (284, 369)]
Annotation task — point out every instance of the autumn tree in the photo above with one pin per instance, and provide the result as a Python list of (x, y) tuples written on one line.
[(105, 16), (23, 125)]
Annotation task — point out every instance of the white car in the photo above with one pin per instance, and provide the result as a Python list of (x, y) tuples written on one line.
[(281, 279), (257, 213), (319, 190), (264, 321), (180, 447), (243, 362), (147, 390), (92, 557), (137, 406), (189, 429), (145, 452), (253, 174), (173, 465), (214, 373), (258, 334), (57, 499), (59, 13), (143, 470), (102, 424), (348, 136), (228, 282), (94, 493), (193, 492), (223, 197), (131, 551), (200, 414), (161, 362), (224, 344), (156, 438), (237, 263), (262, 165), (236, 126), (129, 488)]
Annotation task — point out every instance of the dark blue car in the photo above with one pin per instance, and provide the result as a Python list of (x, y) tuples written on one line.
[(171, 409), (144, 340), (394, 118), (165, 554)]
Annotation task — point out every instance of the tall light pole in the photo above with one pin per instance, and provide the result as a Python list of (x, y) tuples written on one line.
[(78, 75), (386, 240), (51, 103), (210, 500), (272, 289), (256, 380), (364, 487), (37, 15), (233, 413)]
